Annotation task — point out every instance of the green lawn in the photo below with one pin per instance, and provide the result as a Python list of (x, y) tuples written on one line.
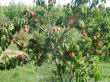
[(26, 73), (29, 73), (105, 70)]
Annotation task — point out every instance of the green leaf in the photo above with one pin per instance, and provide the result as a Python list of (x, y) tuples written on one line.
[(66, 47), (89, 41), (109, 44), (98, 76), (0, 50), (79, 55)]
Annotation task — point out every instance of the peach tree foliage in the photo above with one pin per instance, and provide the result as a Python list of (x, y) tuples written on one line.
[(55, 40), (73, 60), (7, 31)]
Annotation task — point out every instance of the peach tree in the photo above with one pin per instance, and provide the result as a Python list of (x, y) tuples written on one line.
[(75, 59), (7, 32), (55, 41)]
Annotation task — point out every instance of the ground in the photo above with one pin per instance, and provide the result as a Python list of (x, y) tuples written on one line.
[(12, 51)]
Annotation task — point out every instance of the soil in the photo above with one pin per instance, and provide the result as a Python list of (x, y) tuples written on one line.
[(11, 53)]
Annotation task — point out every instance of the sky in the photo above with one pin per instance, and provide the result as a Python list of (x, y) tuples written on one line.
[(30, 2)]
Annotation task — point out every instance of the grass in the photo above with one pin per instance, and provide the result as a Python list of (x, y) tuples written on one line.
[(105, 70), (29, 73), (19, 74)]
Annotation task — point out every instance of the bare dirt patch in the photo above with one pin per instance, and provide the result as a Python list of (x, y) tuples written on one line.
[(11, 53)]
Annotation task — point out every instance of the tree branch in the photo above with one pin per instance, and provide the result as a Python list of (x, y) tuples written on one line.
[(61, 37), (71, 77)]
